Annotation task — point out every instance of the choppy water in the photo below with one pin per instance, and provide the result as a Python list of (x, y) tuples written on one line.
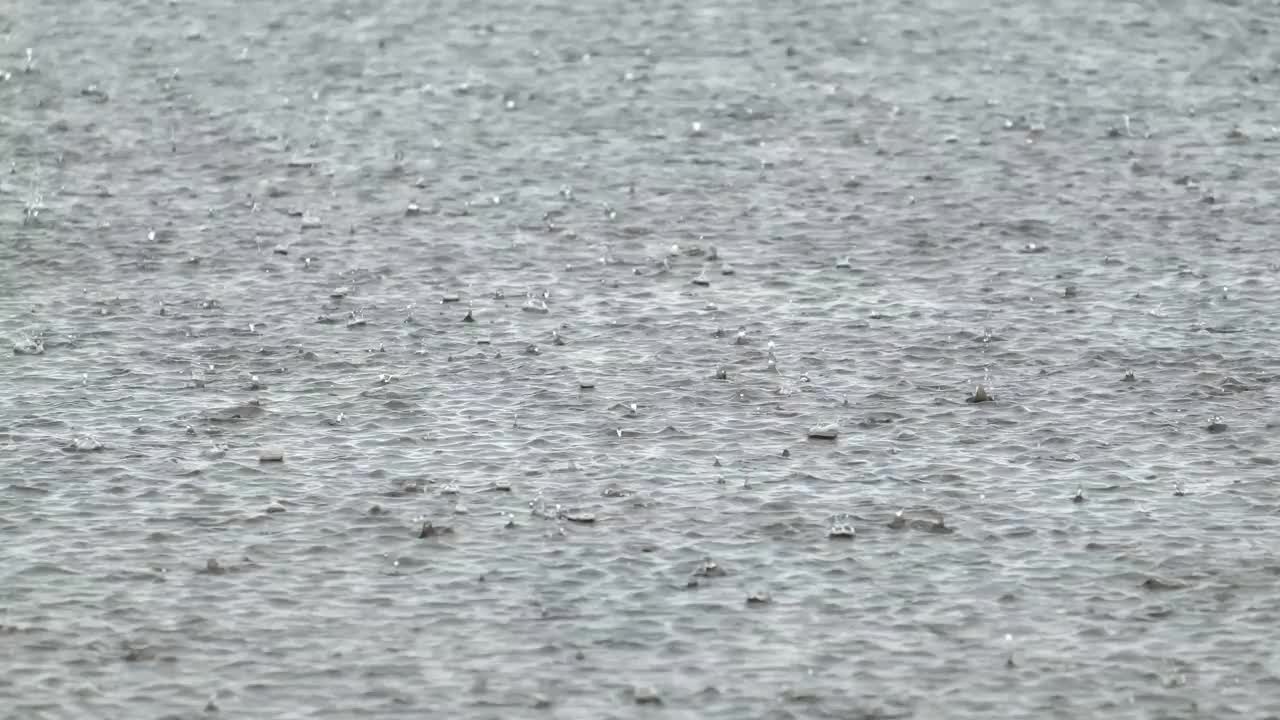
[(208, 251)]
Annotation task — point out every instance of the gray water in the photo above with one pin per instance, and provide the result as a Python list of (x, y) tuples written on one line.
[(209, 251)]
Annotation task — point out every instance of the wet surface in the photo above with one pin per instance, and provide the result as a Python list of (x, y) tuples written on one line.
[(379, 360)]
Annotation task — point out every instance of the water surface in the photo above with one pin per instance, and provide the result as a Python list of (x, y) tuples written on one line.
[(228, 230)]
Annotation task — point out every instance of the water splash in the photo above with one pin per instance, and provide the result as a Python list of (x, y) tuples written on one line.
[(986, 359)]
